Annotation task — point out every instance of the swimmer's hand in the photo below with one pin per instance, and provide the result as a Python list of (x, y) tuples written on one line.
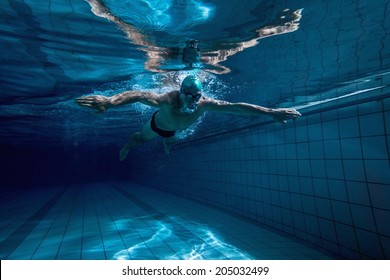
[(283, 114), (99, 102)]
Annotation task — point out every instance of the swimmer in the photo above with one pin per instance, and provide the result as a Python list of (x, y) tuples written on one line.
[(177, 110), (191, 53), (208, 58)]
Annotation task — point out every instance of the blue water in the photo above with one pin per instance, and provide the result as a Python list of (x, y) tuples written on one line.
[(328, 59)]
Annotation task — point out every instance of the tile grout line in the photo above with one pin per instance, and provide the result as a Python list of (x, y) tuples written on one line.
[(149, 208), (9, 244)]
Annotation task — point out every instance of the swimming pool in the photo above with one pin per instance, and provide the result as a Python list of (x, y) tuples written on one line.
[(315, 188)]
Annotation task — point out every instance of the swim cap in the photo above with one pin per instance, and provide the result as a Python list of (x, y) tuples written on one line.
[(191, 84)]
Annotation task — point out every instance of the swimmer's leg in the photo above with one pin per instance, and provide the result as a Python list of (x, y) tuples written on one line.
[(137, 138), (168, 142)]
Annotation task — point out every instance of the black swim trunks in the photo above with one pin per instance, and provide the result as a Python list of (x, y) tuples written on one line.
[(161, 132)]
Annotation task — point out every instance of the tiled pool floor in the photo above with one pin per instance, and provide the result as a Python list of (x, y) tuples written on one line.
[(129, 221)]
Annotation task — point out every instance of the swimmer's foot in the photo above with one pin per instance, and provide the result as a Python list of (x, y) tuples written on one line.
[(167, 146), (123, 153)]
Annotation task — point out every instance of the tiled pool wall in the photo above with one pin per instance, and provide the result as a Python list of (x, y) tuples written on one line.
[(324, 177)]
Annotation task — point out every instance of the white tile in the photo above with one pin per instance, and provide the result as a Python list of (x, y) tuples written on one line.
[(382, 218), (354, 170), (349, 127), (351, 148), (316, 132), (369, 244), (332, 149), (362, 217), (328, 230), (346, 237), (377, 171), (318, 168), (330, 130), (380, 195), (341, 212), (334, 169), (320, 187), (372, 124), (374, 147), (358, 193)]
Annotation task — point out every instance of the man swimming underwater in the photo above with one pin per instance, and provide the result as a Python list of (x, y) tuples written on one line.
[(177, 110)]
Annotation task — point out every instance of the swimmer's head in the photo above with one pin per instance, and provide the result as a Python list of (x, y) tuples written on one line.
[(190, 93), (191, 86), (192, 44)]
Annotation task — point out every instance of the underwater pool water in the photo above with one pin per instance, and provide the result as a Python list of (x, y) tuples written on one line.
[(233, 187), (132, 222)]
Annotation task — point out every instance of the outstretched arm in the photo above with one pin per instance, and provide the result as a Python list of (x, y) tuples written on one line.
[(102, 103), (287, 21), (279, 114), (154, 53)]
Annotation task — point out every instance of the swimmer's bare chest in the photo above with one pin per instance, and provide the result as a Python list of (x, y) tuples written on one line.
[(171, 120)]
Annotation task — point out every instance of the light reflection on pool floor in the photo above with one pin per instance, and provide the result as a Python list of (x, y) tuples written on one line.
[(202, 241), (131, 222)]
